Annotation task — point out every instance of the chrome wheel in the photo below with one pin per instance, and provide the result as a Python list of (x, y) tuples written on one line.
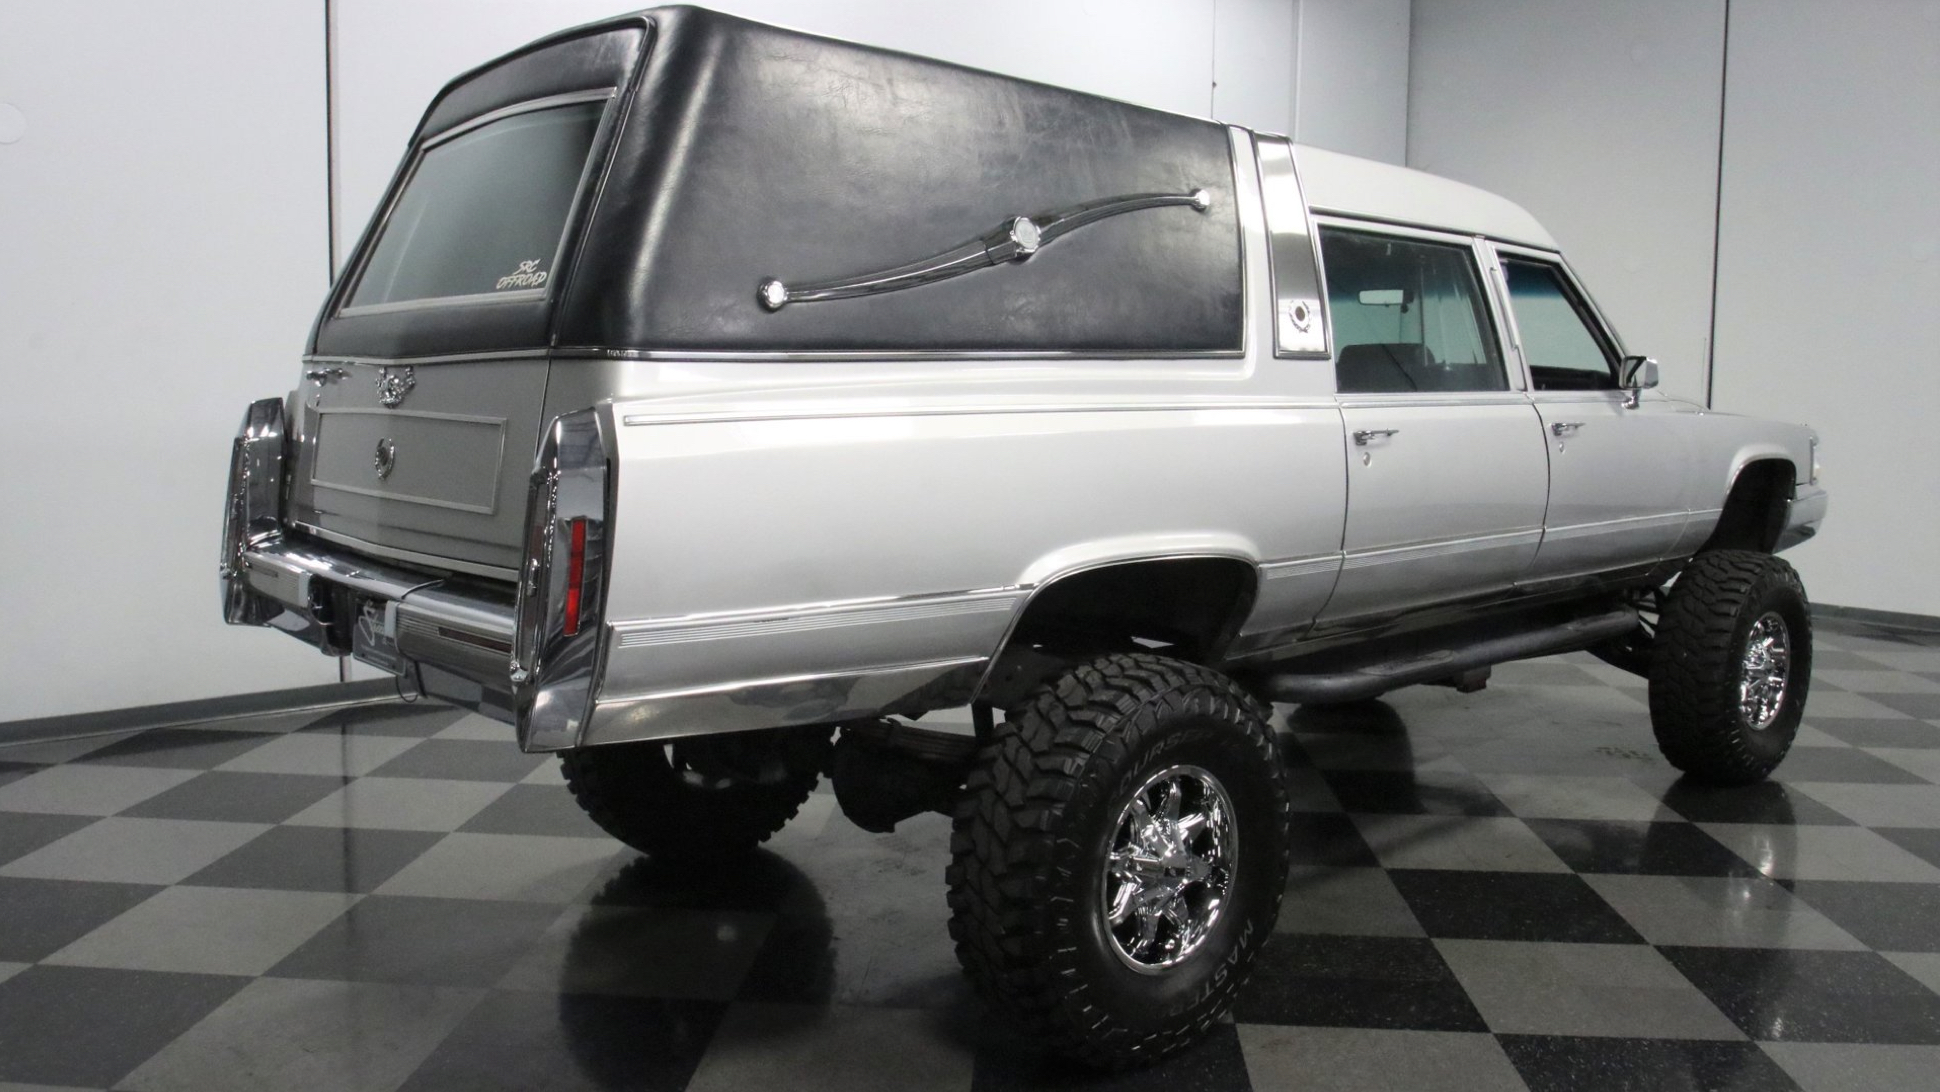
[(1766, 671), (1170, 868)]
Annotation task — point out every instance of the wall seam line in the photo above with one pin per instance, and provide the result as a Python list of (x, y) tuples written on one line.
[(1717, 213)]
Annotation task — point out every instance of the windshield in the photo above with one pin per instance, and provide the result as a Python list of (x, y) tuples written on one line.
[(482, 215)]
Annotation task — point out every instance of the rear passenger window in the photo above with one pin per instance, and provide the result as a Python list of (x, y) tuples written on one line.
[(1563, 351), (1408, 315)]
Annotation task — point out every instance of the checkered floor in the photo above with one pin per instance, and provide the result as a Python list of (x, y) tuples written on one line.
[(1501, 891)]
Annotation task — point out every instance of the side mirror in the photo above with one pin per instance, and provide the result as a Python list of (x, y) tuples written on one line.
[(1636, 375)]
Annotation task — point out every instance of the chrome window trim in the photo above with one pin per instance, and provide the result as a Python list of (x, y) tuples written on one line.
[(421, 361), (410, 557), (1294, 267), (1475, 246), (575, 208)]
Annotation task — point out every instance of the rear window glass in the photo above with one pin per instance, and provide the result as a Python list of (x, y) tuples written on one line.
[(483, 212)]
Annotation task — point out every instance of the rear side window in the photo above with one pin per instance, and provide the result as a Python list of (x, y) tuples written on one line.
[(1563, 351), (1408, 315), (483, 212)]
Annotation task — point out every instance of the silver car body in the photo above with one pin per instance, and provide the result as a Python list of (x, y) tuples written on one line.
[(807, 538)]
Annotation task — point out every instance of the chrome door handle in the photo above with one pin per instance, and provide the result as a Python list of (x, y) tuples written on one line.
[(1363, 435), (1564, 428)]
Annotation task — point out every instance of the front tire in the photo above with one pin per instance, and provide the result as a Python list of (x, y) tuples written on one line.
[(699, 799), (1118, 857), (1732, 666)]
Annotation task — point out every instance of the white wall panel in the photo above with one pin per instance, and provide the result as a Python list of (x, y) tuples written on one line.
[(1253, 46), (1829, 273), (1602, 120), (162, 251), (1351, 77)]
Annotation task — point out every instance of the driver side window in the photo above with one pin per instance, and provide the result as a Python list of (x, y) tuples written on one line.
[(1563, 350)]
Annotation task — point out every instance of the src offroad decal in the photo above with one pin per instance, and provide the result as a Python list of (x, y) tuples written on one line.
[(529, 275)]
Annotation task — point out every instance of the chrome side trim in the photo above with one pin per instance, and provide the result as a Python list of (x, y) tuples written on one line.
[(1306, 566), (409, 557), (681, 631), (980, 410), (1628, 523), (781, 356), (420, 361), (778, 702), (1015, 239), (1435, 549)]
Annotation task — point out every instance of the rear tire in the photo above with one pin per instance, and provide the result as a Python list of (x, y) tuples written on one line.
[(699, 799), (1118, 857), (1732, 666)]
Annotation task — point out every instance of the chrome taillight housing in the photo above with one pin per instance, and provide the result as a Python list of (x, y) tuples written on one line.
[(250, 513), (557, 641)]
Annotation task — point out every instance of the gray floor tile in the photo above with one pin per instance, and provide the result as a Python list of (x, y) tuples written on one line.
[(1880, 805), (207, 930), (1711, 911), (479, 728), (1345, 901), (53, 751), (1821, 853), (519, 867), (1457, 842), (643, 952), (1883, 681), (1919, 761), (299, 1036), (119, 850), (1923, 966), (8, 970), (421, 942), (1857, 1067), (834, 1047), (1574, 797), (546, 773), (1838, 703), (1314, 1059), (1622, 990), (326, 755), (401, 803), (88, 790), (88, 1026), (1904, 658)]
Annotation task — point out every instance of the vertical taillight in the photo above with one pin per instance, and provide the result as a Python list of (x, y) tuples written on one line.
[(556, 645), (575, 575)]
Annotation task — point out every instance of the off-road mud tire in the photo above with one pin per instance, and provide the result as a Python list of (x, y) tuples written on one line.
[(1698, 665), (1033, 830), (650, 796)]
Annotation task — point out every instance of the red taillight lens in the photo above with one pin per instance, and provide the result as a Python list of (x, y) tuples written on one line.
[(575, 574)]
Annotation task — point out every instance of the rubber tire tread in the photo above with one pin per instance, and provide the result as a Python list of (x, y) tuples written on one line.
[(1694, 673), (632, 792), (1005, 827)]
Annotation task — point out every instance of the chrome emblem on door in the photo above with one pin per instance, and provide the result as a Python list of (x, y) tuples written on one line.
[(386, 458), (393, 384)]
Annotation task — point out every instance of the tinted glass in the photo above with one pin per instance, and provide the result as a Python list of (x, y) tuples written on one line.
[(1408, 315), (1563, 353), (483, 212)]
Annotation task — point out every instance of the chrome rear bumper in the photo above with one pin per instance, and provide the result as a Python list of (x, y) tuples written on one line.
[(453, 637)]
